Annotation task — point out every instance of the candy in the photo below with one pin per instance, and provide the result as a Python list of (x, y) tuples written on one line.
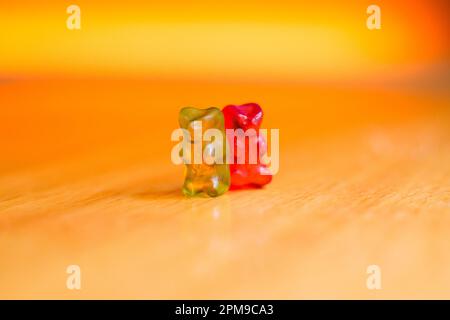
[(205, 173), (247, 170)]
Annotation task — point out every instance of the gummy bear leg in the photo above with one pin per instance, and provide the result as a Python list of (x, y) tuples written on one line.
[(191, 189), (217, 186), (239, 175), (243, 175), (261, 175)]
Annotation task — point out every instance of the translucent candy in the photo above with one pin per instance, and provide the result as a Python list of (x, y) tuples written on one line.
[(208, 177), (245, 173)]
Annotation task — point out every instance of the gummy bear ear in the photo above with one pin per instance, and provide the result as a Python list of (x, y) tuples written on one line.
[(190, 114), (210, 118), (187, 115)]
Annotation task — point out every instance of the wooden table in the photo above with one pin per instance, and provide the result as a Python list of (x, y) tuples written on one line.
[(86, 179)]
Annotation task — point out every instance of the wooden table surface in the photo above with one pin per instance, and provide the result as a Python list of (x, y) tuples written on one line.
[(86, 179)]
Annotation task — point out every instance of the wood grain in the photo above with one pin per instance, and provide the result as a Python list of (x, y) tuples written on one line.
[(369, 190)]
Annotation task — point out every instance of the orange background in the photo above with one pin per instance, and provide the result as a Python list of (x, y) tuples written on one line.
[(295, 40), (170, 55), (85, 172)]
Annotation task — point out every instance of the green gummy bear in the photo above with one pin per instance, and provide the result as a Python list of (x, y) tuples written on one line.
[(210, 179)]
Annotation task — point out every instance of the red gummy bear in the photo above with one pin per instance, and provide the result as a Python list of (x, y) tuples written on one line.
[(245, 117)]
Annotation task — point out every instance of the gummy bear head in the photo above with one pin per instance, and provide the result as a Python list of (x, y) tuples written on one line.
[(210, 118), (246, 116)]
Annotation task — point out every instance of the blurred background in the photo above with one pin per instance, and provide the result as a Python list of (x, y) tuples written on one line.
[(86, 116), (272, 41), (134, 64)]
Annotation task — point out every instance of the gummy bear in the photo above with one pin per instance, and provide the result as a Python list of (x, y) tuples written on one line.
[(203, 178), (249, 173)]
